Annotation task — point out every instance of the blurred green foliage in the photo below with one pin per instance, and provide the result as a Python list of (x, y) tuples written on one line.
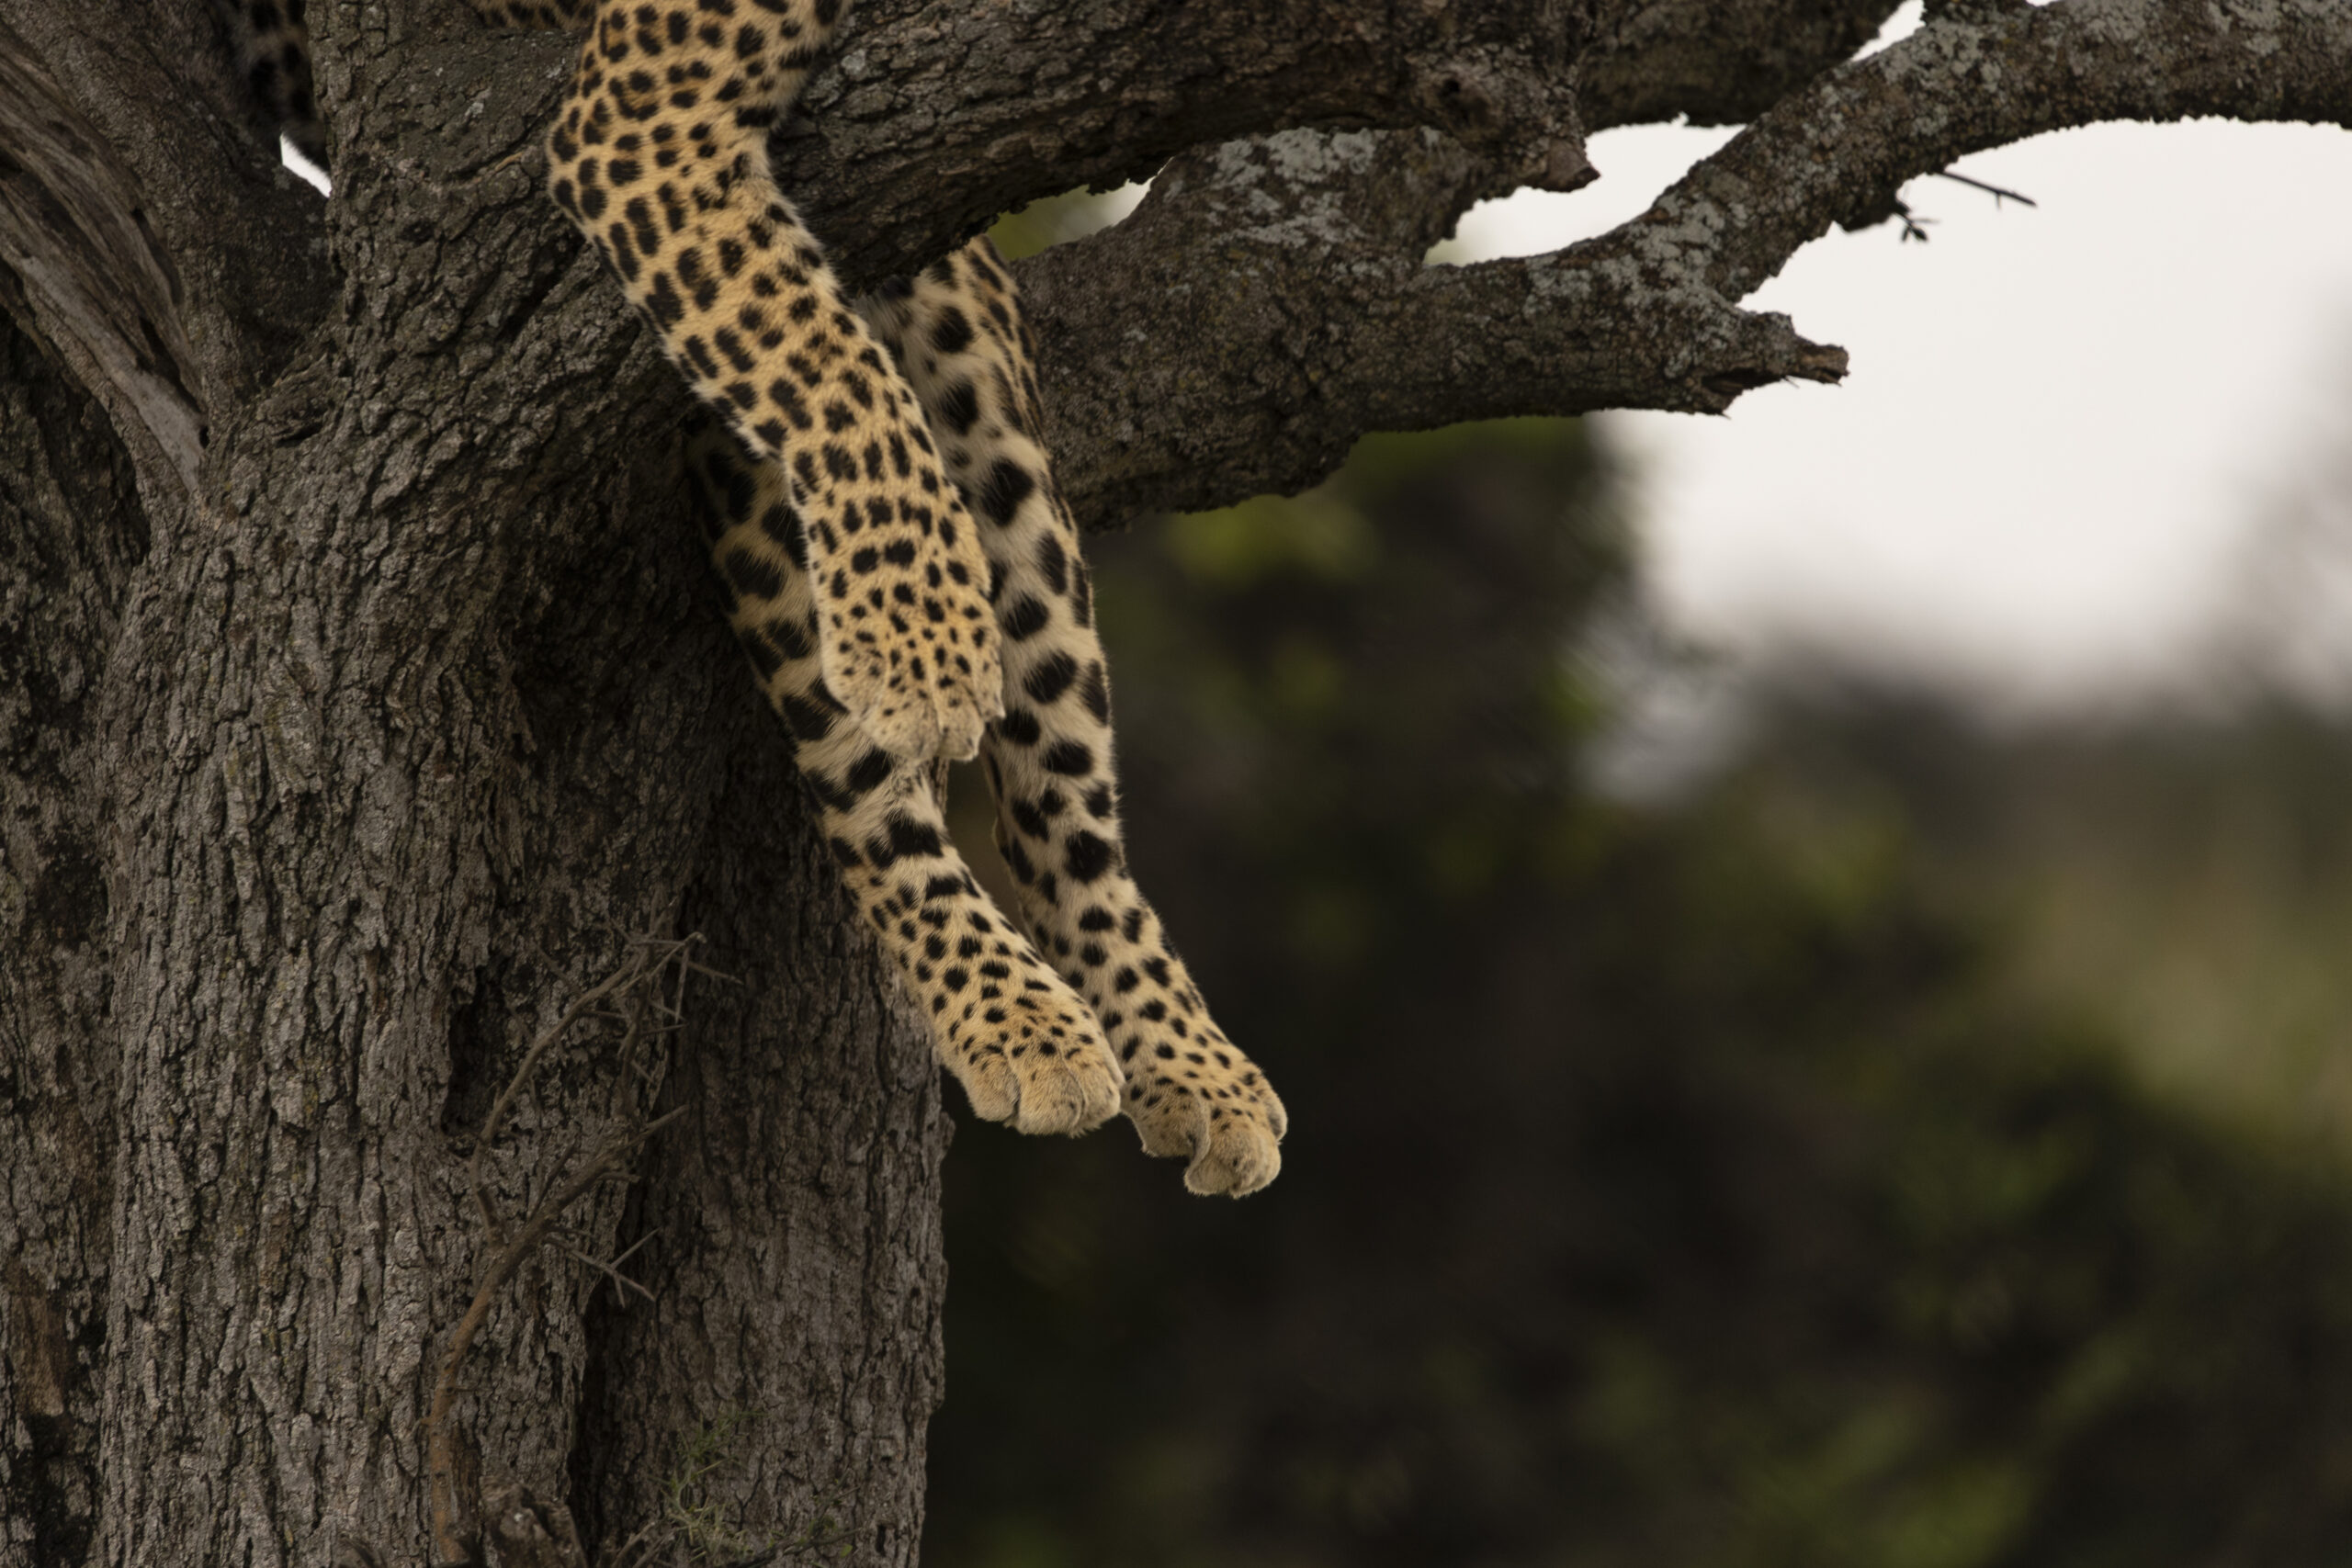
[(2186, 880), (1697, 1183)]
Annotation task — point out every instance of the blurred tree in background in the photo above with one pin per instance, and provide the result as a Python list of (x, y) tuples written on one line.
[(2182, 876), (1689, 1182)]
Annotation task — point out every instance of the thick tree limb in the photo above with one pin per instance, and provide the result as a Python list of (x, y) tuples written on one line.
[(892, 175), (933, 121), (1643, 317), (1035, 99), (1042, 98)]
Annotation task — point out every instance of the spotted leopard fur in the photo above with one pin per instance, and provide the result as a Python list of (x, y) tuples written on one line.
[(959, 335), (905, 575)]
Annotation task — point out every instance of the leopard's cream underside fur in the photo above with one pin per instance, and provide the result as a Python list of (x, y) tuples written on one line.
[(905, 576)]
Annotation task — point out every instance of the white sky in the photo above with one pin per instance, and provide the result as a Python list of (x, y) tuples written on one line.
[(2061, 424)]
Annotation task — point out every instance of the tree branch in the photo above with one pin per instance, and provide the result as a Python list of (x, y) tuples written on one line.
[(1032, 100), (1293, 318), (930, 122), (1955, 87), (1285, 277)]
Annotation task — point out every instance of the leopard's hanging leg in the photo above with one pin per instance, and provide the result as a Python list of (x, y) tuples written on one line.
[(1022, 1044), (660, 154), (858, 579), (958, 334)]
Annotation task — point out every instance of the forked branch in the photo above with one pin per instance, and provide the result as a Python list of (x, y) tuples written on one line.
[(1288, 315)]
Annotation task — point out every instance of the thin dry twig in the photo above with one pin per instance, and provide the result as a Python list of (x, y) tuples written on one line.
[(622, 1283), (1998, 193)]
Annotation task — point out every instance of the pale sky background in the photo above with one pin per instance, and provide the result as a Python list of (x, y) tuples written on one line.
[(2063, 428)]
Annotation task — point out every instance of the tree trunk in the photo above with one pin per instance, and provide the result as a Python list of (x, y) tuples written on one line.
[(364, 701)]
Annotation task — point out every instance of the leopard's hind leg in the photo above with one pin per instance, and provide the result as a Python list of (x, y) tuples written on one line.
[(1024, 1047), (959, 335)]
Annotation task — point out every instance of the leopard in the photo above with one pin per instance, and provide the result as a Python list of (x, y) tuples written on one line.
[(901, 569)]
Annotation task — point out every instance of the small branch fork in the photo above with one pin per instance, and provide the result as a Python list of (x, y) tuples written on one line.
[(1998, 193), (645, 996), (1915, 227)]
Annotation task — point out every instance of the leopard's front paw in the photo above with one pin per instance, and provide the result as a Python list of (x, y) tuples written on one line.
[(914, 697), (1035, 1060), (1207, 1101)]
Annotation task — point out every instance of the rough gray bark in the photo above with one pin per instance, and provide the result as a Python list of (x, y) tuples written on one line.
[(363, 692)]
